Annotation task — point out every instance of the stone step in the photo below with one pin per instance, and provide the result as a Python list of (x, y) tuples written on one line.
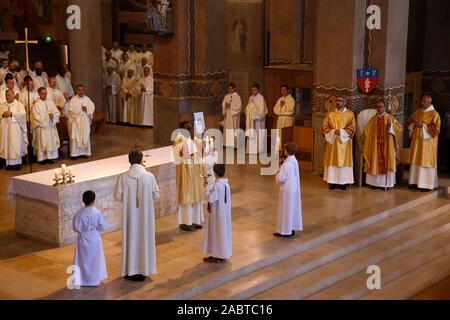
[(182, 290), (414, 282), (329, 274), (391, 269), (282, 271)]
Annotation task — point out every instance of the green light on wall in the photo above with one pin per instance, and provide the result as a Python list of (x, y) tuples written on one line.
[(48, 40)]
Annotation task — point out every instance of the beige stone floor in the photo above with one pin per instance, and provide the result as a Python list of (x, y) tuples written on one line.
[(30, 270)]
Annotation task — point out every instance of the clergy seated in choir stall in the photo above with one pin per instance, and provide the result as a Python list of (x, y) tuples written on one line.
[(338, 129), (187, 151), (13, 132), (116, 52), (138, 191), (231, 109), (9, 85), (255, 113), (39, 76), (145, 112), (110, 62), (289, 216), (381, 149), (113, 99), (29, 95), (284, 109), (424, 127), (81, 112), (131, 91), (44, 117), (63, 84), (89, 256), (218, 232), (57, 97)]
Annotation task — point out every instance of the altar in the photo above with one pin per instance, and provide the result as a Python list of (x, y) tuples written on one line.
[(44, 212)]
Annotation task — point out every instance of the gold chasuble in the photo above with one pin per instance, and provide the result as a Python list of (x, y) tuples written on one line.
[(381, 145), (424, 145), (189, 170), (339, 153)]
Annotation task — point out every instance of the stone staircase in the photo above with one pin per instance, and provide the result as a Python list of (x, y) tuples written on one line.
[(410, 243)]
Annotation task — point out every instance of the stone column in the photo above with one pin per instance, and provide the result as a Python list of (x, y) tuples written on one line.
[(344, 44), (85, 51), (190, 66)]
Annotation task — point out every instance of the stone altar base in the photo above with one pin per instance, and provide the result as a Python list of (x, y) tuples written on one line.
[(51, 223)]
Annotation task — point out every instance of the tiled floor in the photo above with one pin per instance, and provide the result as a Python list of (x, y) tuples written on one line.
[(30, 270)]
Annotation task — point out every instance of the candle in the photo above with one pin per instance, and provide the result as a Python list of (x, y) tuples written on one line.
[(211, 142), (63, 169), (70, 171), (56, 174)]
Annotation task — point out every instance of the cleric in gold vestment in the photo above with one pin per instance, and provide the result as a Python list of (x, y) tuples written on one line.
[(380, 141), (424, 127), (190, 172), (338, 129)]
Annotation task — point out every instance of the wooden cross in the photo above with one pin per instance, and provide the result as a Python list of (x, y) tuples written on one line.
[(26, 42)]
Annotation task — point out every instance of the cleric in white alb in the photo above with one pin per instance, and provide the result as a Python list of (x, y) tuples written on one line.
[(289, 217), (44, 117), (13, 132), (138, 191), (81, 111)]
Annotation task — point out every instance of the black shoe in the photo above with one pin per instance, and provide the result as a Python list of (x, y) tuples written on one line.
[(73, 158), (43, 163), (9, 168), (343, 187), (185, 227), (197, 226), (50, 161), (18, 167), (279, 235), (84, 157), (413, 186), (136, 278), (331, 186)]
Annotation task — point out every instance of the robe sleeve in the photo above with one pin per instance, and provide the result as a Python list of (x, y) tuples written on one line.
[(288, 109), (224, 107), (327, 126), (39, 118), (75, 225), (155, 188), (214, 195), (435, 126), (282, 176), (236, 107), (102, 224), (119, 191), (351, 125), (277, 108)]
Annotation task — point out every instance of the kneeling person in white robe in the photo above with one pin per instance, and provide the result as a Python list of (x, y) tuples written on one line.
[(44, 117), (218, 234), (89, 256), (81, 111), (138, 190), (13, 132), (289, 217)]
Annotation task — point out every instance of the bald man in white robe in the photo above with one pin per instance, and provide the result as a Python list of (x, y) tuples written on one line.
[(81, 112)]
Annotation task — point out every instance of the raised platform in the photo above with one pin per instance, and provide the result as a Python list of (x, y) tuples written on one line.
[(404, 232)]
